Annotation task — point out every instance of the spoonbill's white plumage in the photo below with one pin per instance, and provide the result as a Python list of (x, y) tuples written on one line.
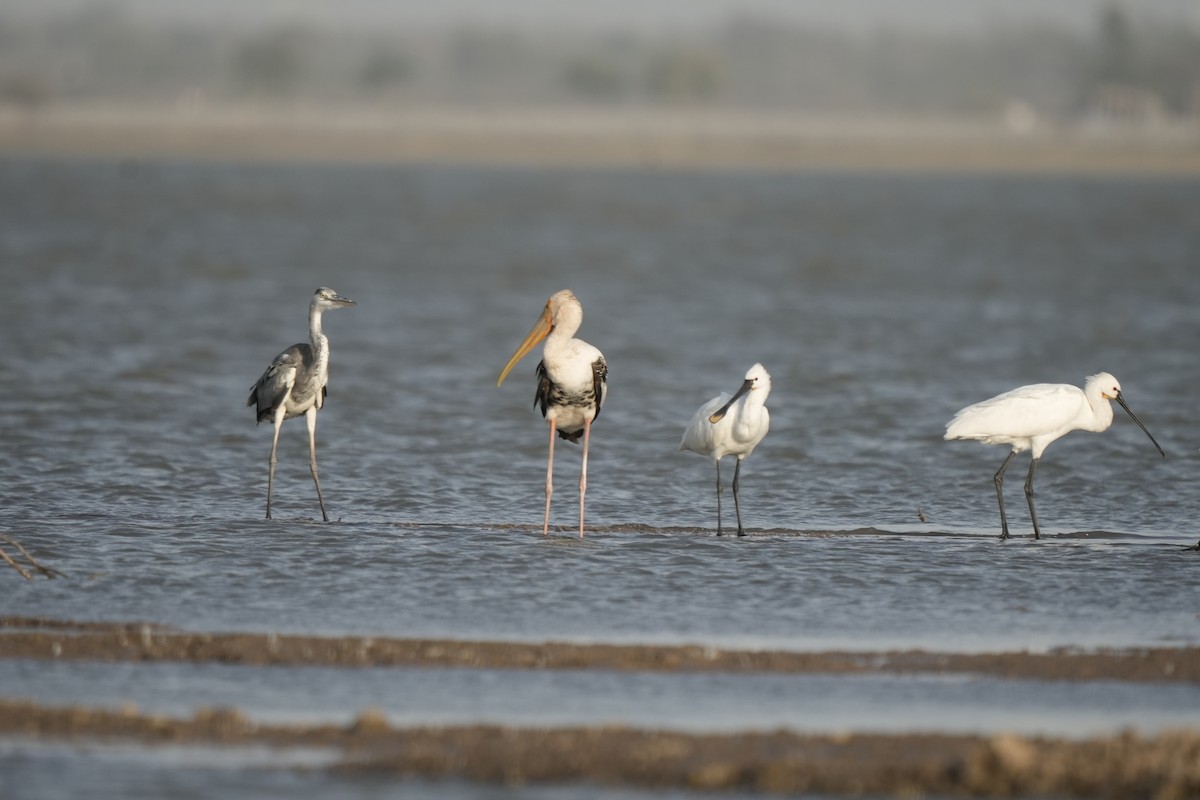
[(572, 381), (295, 384), (1031, 417), (731, 426)]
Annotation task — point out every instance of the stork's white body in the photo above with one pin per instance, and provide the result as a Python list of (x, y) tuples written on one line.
[(572, 374)]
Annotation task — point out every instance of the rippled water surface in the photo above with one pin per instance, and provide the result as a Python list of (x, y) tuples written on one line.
[(697, 702), (56, 773), (143, 299)]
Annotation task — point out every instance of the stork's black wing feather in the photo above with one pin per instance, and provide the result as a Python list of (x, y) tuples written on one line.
[(545, 389), (599, 382)]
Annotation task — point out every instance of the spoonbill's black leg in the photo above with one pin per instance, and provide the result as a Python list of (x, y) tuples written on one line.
[(1037, 534), (999, 481), (737, 505)]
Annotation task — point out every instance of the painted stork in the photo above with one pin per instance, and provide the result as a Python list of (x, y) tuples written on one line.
[(572, 380)]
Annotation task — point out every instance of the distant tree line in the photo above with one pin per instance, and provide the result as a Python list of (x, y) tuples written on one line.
[(100, 54)]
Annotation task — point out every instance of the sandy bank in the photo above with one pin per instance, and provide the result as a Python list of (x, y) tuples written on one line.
[(33, 638), (1166, 766)]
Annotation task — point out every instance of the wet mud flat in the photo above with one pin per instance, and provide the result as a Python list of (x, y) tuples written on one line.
[(1166, 766), (1125, 764), (42, 638)]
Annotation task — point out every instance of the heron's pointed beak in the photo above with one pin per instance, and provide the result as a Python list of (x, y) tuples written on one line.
[(1121, 400), (541, 329), (344, 302), (716, 417)]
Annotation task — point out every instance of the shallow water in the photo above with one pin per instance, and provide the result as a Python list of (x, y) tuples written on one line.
[(54, 773), (776, 590), (145, 298), (693, 702)]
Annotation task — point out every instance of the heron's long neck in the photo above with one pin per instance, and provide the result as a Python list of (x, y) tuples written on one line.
[(319, 342)]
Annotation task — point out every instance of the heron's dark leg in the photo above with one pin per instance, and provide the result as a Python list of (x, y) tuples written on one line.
[(549, 479), (999, 481), (272, 461), (719, 531), (587, 432), (1037, 534), (736, 504), (310, 417)]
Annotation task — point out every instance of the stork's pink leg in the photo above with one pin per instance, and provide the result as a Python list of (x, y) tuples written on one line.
[(549, 479), (587, 431)]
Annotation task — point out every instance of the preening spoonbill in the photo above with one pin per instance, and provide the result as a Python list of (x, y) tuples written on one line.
[(572, 379), (295, 384), (733, 426), (1031, 417)]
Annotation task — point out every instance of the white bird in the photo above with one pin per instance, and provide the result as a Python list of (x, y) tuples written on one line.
[(572, 380), (731, 426), (295, 384), (1031, 417)]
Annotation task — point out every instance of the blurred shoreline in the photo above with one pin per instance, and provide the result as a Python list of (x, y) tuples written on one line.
[(656, 138)]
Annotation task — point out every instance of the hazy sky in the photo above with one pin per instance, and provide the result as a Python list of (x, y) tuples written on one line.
[(932, 15)]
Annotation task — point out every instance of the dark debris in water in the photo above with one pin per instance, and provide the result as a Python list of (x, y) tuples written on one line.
[(31, 563)]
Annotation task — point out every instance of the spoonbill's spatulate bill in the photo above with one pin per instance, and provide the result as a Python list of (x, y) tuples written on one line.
[(295, 384), (731, 426), (572, 379), (1031, 417)]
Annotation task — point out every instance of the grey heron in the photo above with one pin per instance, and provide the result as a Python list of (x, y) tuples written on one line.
[(295, 384)]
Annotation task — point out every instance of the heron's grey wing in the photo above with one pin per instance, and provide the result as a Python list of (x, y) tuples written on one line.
[(273, 386)]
